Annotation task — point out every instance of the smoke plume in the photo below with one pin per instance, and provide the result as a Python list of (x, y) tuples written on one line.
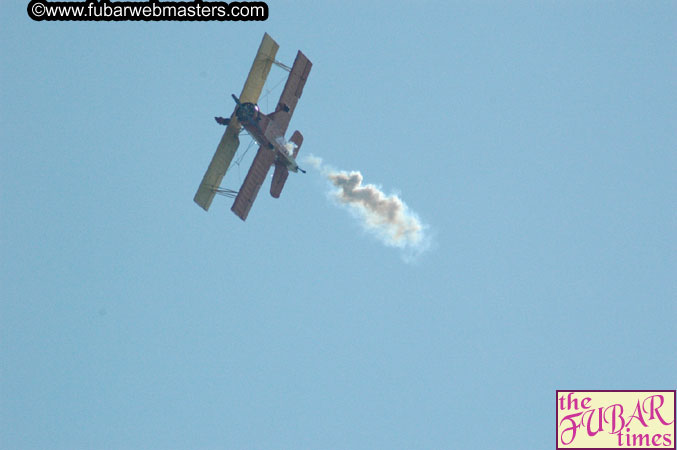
[(386, 216)]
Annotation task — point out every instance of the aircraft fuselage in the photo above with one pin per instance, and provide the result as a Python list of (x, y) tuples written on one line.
[(266, 133)]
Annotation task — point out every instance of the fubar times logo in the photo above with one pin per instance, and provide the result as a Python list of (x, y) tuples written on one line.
[(615, 419)]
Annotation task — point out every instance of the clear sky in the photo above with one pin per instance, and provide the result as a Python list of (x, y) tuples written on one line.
[(536, 140)]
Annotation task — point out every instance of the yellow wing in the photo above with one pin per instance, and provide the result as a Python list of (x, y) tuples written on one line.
[(260, 70), (230, 141)]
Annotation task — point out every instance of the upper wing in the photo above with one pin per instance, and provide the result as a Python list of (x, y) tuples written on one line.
[(252, 182), (260, 70), (292, 92), (229, 141)]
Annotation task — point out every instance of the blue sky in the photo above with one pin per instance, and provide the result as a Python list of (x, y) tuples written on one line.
[(537, 141)]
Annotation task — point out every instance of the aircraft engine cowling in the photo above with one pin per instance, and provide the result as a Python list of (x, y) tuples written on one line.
[(247, 112)]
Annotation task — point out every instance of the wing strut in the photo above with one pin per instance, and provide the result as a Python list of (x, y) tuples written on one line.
[(282, 65), (226, 192)]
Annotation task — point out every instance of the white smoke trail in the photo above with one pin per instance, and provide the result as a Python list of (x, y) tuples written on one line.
[(386, 216)]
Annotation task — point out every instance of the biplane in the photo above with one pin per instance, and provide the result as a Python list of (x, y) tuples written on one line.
[(267, 130)]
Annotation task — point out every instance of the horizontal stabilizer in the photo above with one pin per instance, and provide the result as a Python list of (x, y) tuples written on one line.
[(279, 178), (297, 139)]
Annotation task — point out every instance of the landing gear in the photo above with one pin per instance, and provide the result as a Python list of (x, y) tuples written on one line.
[(222, 120)]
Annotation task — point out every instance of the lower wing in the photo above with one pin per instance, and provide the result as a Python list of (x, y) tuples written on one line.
[(252, 182)]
